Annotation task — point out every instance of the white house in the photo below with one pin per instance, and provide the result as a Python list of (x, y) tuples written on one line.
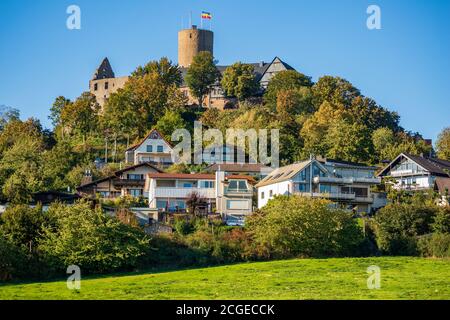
[(153, 149), (410, 172), (346, 184), (229, 195)]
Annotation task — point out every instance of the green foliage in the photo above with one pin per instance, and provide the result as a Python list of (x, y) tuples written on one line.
[(397, 227), (298, 226), (23, 226), (335, 90), (435, 245), (201, 75), (57, 108), (282, 81), (90, 239), (240, 81), (12, 261), (441, 223), (443, 144), (169, 122)]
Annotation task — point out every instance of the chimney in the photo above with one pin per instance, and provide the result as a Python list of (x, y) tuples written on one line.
[(261, 63)]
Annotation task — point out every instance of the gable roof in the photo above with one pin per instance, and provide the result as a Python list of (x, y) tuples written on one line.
[(119, 172), (137, 145), (286, 173), (104, 71), (182, 176), (434, 166)]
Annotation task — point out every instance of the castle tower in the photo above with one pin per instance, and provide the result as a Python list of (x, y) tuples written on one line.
[(191, 42)]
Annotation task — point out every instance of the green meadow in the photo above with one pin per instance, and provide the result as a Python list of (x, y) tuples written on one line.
[(346, 278)]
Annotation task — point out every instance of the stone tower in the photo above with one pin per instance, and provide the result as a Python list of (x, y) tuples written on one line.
[(191, 42)]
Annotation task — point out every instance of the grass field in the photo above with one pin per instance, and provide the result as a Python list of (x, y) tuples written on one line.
[(401, 278)]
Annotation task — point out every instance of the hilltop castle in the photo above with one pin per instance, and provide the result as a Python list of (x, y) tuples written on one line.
[(190, 43)]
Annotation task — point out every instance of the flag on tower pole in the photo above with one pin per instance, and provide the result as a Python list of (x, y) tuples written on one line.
[(206, 15)]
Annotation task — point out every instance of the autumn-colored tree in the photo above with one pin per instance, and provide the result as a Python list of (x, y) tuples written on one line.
[(284, 80), (443, 144)]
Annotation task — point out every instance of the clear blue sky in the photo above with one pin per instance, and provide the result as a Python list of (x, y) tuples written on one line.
[(404, 67)]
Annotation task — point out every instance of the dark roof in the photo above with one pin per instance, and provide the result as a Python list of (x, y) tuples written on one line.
[(237, 167), (47, 197), (133, 147), (434, 166), (104, 71), (346, 163), (442, 185), (117, 173)]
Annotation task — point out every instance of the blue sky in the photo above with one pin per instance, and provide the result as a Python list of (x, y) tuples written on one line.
[(405, 66)]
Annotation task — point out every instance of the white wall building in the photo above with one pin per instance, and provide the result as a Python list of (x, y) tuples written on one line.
[(411, 173), (153, 149), (347, 184)]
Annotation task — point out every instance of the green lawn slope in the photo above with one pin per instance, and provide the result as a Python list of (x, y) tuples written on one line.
[(401, 278)]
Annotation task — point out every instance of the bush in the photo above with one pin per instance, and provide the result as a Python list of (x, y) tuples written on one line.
[(441, 223), (397, 227), (12, 260), (434, 245), (290, 226), (88, 238)]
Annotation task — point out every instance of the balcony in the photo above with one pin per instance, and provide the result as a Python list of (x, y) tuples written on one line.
[(230, 191), (399, 173), (168, 192), (340, 180), (364, 199), (333, 195), (128, 183)]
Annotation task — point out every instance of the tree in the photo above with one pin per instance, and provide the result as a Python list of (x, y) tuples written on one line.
[(194, 201), (349, 141), (168, 73), (7, 114), (292, 226), (81, 116), (285, 80), (56, 109), (168, 123), (443, 144), (293, 102), (201, 75), (383, 140), (334, 90), (239, 81)]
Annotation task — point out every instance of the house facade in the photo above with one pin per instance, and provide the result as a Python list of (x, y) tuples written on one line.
[(153, 149), (409, 172), (344, 183), (130, 181), (229, 195)]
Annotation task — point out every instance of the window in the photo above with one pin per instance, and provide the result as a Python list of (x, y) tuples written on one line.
[(149, 148), (237, 186), (135, 192), (161, 204), (106, 85), (135, 177), (262, 195), (187, 185), (325, 188), (237, 204), (271, 193), (159, 148), (104, 194), (207, 184), (95, 86)]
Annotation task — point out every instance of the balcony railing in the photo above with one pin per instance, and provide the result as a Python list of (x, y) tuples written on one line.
[(169, 192), (332, 195), (238, 191), (340, 180), (128, 183)]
